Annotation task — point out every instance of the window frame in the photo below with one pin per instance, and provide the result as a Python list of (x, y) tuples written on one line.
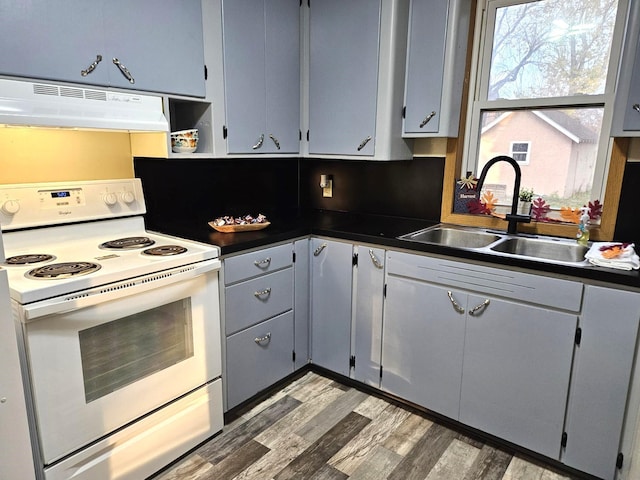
[(454, 167), (479, 85)]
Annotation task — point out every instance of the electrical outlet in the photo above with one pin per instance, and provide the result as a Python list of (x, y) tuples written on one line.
[(328, 190)]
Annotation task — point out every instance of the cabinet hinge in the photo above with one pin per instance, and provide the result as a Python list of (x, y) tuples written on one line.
[(224, 132), (578, 337), (293, 356), (404, 112), (309, 3), (355, 259), (206, 73), (380, 371), (620, 460), (563, 441), (294, 257), (384, 291), (352, 361), (307, 135), (300, 132)]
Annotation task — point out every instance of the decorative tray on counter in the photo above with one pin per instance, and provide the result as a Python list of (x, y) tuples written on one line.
[(246, 223)]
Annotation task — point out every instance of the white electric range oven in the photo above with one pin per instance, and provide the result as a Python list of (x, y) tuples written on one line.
[(120, 329)]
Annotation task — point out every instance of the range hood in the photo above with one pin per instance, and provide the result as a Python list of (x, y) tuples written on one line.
[(49, 105)]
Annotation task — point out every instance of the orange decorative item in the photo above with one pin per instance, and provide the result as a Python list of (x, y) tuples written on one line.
[(569, 214), (489, 200)]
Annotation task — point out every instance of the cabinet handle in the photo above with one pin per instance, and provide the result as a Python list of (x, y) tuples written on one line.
[(264, 263), (265, 339), (636, 107), (124, 71), (364, 142), (458, 308), (260, 142), (479, 308), (374, 259), (275, 140), (318, 250), (261, 293), (91, 67), (427, 118)]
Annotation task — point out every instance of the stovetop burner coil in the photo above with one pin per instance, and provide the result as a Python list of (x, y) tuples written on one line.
[(29, 258), (127, 243), (59, 271), (165, 250)]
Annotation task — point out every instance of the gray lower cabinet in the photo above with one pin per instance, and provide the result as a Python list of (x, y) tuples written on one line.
[(366, 327), (491, 362), (258, 319), (158, 43), (301, 302), (600, 382), (331, 294)]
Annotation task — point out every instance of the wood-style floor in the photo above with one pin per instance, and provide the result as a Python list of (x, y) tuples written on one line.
[(315, 428)]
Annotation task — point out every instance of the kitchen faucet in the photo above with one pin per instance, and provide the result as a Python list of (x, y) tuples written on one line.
[(513, 218)]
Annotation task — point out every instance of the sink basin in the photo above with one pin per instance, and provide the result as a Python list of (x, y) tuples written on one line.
[(543, 249), (452, 237)]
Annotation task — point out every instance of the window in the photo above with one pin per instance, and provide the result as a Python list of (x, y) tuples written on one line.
[(545, 70), (520, 152)]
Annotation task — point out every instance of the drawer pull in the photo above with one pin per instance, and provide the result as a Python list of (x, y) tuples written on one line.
[(458, 308), (275, 141), (264, 263), (263, 340), (318, 250), (364, 142), (260, 142), (262, 293), (374, 259), (427, 118), (479, 308), (125, 72)]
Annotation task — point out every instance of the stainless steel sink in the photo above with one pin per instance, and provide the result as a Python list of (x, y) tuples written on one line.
[(452, 237), (559, 251)]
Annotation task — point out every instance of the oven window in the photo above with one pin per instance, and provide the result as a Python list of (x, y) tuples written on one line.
[(118, 353)]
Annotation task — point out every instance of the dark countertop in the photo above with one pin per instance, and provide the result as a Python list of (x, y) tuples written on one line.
[(381, 230)]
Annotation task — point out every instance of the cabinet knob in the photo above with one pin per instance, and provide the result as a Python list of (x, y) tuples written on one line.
[(636, 107), (91, 67)]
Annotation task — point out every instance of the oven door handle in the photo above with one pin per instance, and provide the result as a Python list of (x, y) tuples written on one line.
[(114, 291)]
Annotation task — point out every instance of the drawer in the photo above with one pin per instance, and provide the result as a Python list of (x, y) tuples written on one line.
[(258, 357), (248, 265), (250, 302), (549, 291)]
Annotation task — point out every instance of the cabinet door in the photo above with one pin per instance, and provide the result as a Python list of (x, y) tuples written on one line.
[(262, 75), (344, 44), (367, 318), (58, 48), (600, 381), (282, 76), (422, 344), (331, 264), (425, 65), (159, 41), (301, 302), (517, 364)]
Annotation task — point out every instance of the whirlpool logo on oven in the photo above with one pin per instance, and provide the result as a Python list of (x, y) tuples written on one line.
[(64, 212)]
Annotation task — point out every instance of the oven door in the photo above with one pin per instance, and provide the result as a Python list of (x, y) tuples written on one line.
[(98, 367)]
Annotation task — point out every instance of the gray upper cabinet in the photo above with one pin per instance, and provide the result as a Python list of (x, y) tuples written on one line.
[(261, 43), (626, 116), (436, 56), (356, 72), (158, 44)]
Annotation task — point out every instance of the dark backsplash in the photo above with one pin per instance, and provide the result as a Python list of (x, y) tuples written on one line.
[(627, 223), (198, 190)]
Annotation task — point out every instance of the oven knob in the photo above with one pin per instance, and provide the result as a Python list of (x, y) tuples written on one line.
[(110, 199), (128, 197), (10, 207)]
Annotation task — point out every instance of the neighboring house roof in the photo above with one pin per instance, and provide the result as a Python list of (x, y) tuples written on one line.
[(565, 124)]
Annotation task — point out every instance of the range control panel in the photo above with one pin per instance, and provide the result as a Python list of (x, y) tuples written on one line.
[(40, 204)]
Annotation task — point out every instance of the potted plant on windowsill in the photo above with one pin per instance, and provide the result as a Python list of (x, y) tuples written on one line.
[(525, 197)]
